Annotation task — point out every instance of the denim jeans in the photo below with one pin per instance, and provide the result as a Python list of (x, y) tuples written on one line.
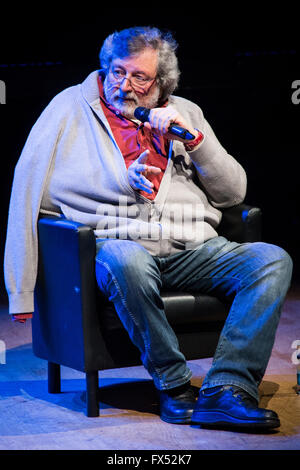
[(255, 277)]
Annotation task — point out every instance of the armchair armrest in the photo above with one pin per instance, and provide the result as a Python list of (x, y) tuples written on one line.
[(66, 319), (241, 223)]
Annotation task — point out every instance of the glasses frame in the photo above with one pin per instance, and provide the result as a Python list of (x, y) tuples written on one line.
[(148, 81)]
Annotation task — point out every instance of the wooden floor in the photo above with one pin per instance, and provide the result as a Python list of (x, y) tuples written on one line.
[(32, 419)]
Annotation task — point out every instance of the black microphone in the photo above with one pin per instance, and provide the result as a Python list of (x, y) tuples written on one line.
[(142, 114)]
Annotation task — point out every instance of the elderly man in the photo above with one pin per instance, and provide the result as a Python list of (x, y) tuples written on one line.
[(154, 200)]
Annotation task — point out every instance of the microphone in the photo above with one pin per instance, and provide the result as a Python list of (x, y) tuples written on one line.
[(142, 114)]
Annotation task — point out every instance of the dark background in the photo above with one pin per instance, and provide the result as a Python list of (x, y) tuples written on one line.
[(239, 69)]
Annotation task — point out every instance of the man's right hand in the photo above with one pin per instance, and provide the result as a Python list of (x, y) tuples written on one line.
[(138, 171)]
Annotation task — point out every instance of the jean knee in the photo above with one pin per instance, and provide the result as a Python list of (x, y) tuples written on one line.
[(286, 263), (274, 256)]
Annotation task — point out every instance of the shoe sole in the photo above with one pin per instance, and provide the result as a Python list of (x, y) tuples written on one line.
[(172, 420), (217, 419)]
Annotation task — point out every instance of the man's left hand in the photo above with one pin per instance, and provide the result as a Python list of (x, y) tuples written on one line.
[(161, 118)]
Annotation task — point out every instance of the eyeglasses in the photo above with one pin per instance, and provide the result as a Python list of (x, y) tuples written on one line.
[(137, 81)]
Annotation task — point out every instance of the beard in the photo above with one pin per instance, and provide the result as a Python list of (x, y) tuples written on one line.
[(127, 102)]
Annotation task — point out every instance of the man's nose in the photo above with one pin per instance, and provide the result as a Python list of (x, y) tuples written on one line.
[(126, 84)]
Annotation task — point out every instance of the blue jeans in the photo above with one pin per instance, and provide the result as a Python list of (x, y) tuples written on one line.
[(255, 275)]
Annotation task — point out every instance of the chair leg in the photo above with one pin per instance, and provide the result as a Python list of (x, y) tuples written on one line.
[(54, 378), (92, 385)]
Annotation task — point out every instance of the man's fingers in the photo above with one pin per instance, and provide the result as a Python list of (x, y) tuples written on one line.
[(143, 157), (154, 170), (147, 169), (144, 188), (145, 182), (140, 182), (138, 171), (140, 179), (161, 118), (140, 168)]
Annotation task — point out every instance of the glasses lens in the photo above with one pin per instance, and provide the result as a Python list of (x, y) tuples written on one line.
[(137, 82), (119, 75)]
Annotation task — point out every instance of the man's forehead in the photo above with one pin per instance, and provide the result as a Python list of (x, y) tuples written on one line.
[(145, 61)]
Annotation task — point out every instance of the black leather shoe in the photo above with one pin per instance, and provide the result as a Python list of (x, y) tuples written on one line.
[(177, 405), (231, 406)]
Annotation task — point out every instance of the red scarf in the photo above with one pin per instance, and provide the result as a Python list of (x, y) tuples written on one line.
[(133, 139)]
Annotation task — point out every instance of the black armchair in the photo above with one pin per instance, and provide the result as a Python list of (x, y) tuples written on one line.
[(75, 326)]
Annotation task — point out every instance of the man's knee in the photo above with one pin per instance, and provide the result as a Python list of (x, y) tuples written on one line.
[(273, 256)]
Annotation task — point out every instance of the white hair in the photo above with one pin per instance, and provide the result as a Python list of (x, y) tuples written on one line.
[(134, 40)]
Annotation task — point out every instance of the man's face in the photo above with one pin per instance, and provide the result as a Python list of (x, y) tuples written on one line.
[(131, 82)]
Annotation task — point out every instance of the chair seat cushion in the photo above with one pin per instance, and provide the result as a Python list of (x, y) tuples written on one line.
[(180, 308), (184, 308)]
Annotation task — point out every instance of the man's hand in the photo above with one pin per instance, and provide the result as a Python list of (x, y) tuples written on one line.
[(161, 118), (138, 171)]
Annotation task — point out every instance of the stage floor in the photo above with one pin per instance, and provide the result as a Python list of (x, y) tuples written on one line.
[(32, 419)]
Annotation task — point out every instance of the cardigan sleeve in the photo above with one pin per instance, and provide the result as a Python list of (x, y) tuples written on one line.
[(221, 175), (21, 246)]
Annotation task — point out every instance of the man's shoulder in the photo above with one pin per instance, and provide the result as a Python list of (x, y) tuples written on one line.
[(181, 102), (65, 96), (187, 108), (62, 105), (87, 90)]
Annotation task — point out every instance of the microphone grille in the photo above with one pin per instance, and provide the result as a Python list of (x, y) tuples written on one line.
[(142, 114)]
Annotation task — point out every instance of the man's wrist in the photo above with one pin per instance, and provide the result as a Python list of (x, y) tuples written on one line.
[(192, 145)]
